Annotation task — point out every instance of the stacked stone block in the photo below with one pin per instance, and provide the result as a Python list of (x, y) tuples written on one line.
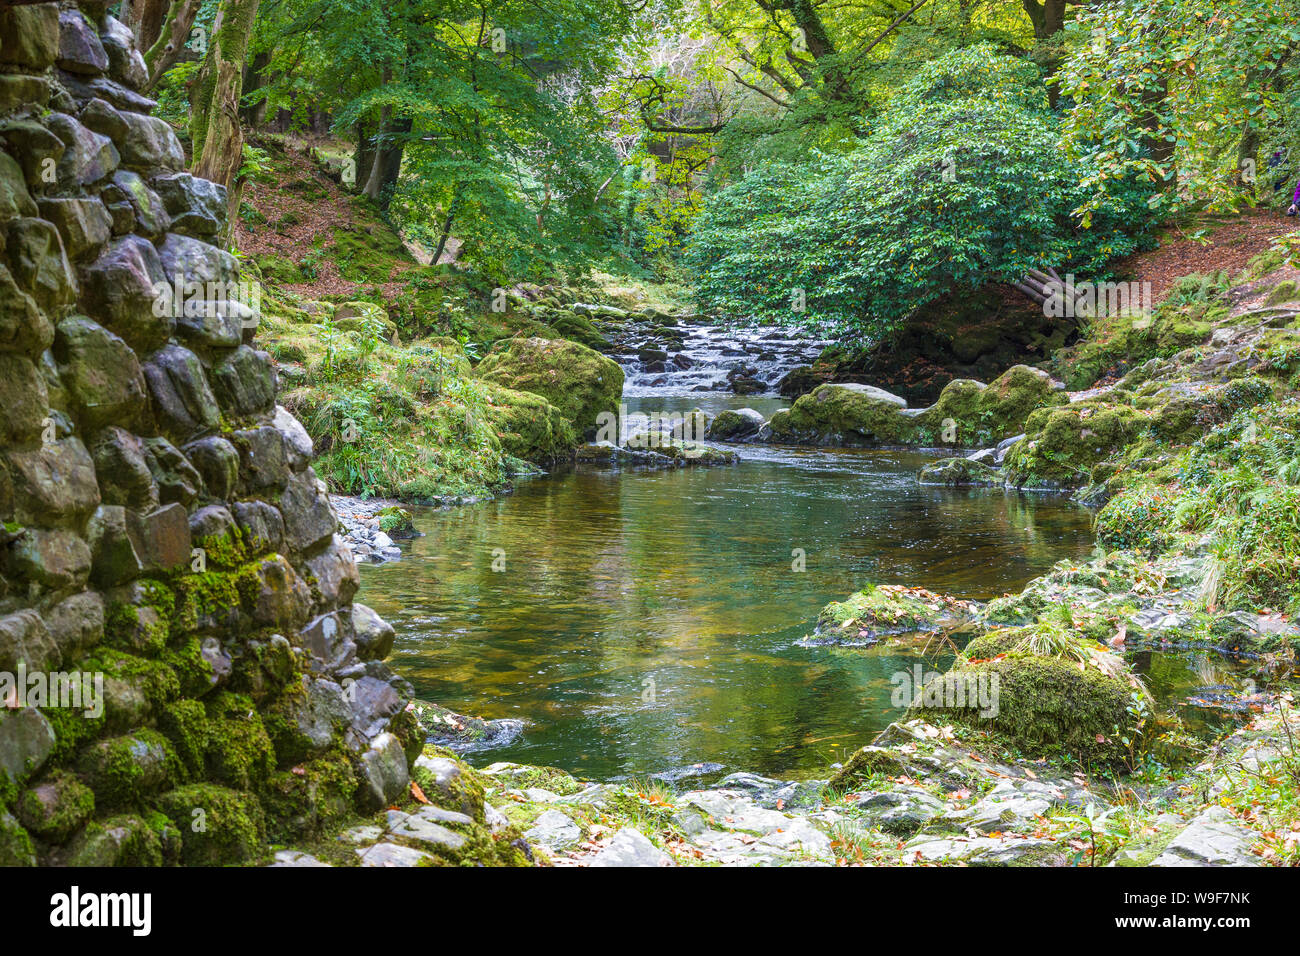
[(162, 524)]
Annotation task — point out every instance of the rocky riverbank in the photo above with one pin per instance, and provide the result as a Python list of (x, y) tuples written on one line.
[(1194, 450)]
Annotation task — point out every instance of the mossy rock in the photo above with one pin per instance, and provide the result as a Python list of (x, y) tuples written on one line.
[(1063, 444), (449, 783), (528, 426), (239, 752), (218, 825), (844, 415), (891, 609), (309, 799), (1045, 706), (576, 328), (959, 472), (580, 382), (865, 764), (57, 807), (125, 770)]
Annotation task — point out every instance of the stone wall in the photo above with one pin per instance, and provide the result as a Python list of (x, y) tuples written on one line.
[(163, 530)]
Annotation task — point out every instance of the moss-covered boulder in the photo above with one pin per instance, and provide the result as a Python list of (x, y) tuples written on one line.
[(959, 472), (218, 825), (844, 415), (1060, 697), (577, 380), (528, 426), (880, 610), (1063, 444)]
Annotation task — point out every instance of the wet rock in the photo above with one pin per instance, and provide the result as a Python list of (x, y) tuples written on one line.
[(121, 289), (393, 854), (217, 463), (102, 373), (181, 396), (26, 742), (31, 35), (88, 157), (374, 635), (84, 224), (161, 537), (79, 48), (198, 206), (308, 517), (24, 398), (959, 473)]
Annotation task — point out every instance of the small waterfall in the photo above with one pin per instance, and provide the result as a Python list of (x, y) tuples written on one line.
[(710, 358)]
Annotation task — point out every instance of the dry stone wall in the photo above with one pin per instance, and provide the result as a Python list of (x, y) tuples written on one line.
[(164, 536)]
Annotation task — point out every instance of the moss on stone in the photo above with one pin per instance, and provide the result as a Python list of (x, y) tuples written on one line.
[(239, 752), (185, 724), (218, 826), (580, 382), (528, 426), (57, 807), (310, 798), (1063, 444), (846, 415), (125, 770), (1046, 705)]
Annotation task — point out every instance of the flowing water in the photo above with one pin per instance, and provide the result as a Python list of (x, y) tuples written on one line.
[(643, 622)]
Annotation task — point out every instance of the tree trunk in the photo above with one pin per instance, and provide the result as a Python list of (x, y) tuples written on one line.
[(214, 96), (363, 159), (173, 34), (145, 18), (1048, 18), (389, 146), (446, 227), (255, 78)]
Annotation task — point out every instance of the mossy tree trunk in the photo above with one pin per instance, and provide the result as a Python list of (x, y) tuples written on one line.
[(214, 98), (173, 32)]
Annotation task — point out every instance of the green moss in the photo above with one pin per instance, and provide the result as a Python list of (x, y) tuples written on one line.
[(124, 770), (239, 752), (57, 807), (528, 426), (218, 826), (1063, 444), (1049, 706), (840, 415), (311, 798), (185, 725), (579, 381), (878, 610)]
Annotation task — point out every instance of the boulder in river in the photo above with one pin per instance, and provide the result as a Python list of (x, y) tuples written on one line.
[(849, 415), (734, 425), (959, 472)]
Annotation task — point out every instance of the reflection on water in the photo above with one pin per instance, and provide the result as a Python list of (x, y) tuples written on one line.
[(645, 621)]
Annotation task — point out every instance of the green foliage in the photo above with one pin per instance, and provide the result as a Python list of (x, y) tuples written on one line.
[(945, 196)]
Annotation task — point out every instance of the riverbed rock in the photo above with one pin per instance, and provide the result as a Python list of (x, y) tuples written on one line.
[(844, 415), (881, 610), (1214, 838), (959, 473)]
